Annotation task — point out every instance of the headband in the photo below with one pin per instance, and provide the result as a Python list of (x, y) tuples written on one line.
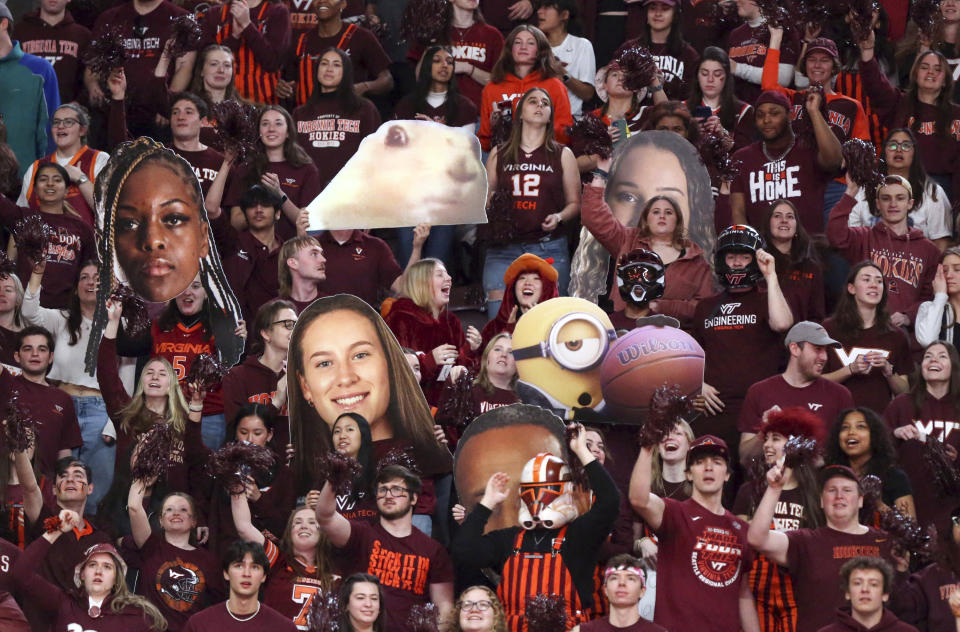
[(636, 570)]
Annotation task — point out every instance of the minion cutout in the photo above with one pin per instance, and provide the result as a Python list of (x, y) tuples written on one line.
[(559, 346), (546, 493)]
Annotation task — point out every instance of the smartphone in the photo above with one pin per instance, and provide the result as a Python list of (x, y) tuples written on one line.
[(621, 125), (702, 112)]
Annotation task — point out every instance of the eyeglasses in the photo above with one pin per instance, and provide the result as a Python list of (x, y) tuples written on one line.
[(482, 605), (67, 122), (288, 324), (905, 145), (581, 354), (394, 490)]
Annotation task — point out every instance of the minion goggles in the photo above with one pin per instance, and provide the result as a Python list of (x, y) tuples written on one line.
[(583, 354)]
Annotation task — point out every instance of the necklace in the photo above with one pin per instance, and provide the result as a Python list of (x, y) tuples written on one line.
[(763, 146), (236, 618)]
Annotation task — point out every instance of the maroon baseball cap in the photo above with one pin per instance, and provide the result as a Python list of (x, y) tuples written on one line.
[(776, 97), (834, 471), (822, 45), (670, 3), (102, 547), (707, 444)]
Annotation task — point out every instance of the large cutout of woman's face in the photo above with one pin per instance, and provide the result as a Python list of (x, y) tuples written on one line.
[(160, 234), (646, 165), (345, 369)]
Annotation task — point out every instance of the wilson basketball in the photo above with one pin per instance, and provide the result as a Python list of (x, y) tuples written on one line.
[(645, 359)]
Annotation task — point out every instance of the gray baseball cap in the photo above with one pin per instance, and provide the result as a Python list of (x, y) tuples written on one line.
[(807, 331)]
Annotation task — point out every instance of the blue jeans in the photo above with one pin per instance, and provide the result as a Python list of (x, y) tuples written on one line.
[(439, 245), (499, 258), (423, 522), (92, 416), (831, 196), (213, 429)]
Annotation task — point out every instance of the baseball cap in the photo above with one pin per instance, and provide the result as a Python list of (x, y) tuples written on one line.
[(823, 45), (669, 3), (707, 444), (833, 471), (807, 331), (102, 547)]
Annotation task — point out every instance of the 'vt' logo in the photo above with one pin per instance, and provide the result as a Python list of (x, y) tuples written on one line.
[(728, 308)]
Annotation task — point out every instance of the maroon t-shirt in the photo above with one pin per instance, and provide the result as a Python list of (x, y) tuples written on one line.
[(217, 618), (678, 71), (57, 429), (206, 164), (701, 561), (303, 15), (485, 401), (814, 558), (300, 184), (406, 567), (604, 625), (912, 602), (748, 45), (795, 177), (823, 398), (804, 286), (331, 136), (366, 54), (71, 243), (535, 182), (363, 266), (940, 419), (8, 555), (250, 265), (252, 382), (8, 339), (871, 389), (59, 564), (732, 327), (62, 45), (467, 111), (177, 581), (479, 45), (143, 38), (788, 514)]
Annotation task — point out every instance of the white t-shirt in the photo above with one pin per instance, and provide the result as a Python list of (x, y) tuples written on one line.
[(576, 55), (932, 217)]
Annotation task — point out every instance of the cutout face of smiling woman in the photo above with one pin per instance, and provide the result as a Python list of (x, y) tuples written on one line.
[(160, 235)]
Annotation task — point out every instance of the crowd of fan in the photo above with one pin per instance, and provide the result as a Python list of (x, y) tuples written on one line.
[(736, 537)]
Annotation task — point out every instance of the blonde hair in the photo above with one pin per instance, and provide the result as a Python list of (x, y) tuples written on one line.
[(289, 249), (656, 468), (122, 598), (18, 289), (136, 417), (416, 282)]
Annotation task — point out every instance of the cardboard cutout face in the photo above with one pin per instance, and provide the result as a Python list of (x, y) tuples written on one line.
[(647, 164), (406, 173)]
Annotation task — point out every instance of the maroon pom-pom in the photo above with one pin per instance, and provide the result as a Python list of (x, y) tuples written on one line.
[(424, 618), (928, 18), (399, 456), (32, 236), (946, 476), (861, 17), (133, 309), (757, 477), (234, 462), (502, 124), (813, 13), (777, 13), (668, 405), (456, 403), (800, 452), (907, 535), (20, 427), (721, 16), (590, 136), (339, 470), (7, 265), (324, 613), (872, 488), (715, 151), (639, 68), (500, 225), (186, 35), (863, 166), (424, 21), (237, 128), (205, 371), (106, 53), (154, 452), (546, 613)]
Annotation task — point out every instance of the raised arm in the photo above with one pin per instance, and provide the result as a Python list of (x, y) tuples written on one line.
[(139, 521), (779, 313), (829, 150), (644, 502), (760, 535), (335, 526), (32, 494), (242, 520)]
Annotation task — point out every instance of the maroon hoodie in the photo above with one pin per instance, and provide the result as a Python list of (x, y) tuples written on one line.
[(888, 623), (922, 598), (908, 261)]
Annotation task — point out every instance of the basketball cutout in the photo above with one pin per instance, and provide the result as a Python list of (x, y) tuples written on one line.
[(643, 360)]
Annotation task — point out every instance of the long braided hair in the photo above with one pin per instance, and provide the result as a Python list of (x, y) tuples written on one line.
[(224, 307)]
